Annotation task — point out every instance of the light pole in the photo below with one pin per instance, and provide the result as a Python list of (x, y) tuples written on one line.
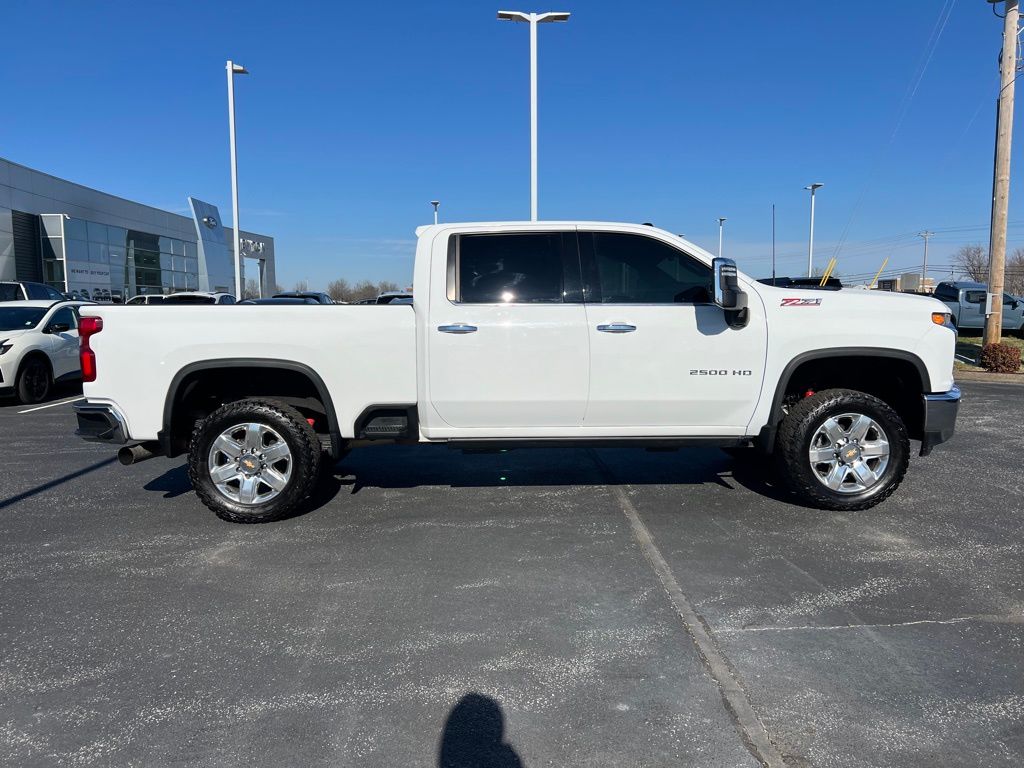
[(924, 265), (235, 69), (533, 19), (721, 227), (436, 204), (810, 240)]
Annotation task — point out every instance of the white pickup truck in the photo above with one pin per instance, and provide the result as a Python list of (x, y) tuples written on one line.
[(527, 334)]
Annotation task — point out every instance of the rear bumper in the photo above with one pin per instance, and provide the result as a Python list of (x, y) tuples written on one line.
[(939, 418), (98, 422)]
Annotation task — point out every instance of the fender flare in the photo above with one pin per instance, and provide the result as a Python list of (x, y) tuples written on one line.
[(164, 435), (766, 438)]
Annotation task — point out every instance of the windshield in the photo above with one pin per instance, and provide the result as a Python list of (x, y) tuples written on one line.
[(20, 318)]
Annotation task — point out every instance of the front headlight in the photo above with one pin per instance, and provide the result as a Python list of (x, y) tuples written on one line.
[(5, 347)]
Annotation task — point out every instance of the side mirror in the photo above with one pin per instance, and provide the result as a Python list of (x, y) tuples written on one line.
[(58, 328), (728, 294)]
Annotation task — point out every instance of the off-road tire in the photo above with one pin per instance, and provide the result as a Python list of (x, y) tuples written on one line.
[(294, 429), (27, 381), (794, 441)]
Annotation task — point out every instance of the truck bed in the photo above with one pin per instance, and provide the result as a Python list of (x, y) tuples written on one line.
[(364, 355)]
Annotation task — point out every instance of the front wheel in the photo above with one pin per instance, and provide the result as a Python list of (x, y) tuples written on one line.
[(254, 461), (34, 381), (842, 449)]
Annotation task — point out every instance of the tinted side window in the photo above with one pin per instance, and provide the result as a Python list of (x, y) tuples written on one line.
[(226, 300), (10, 292), (974, 297), (53, 294), (946, 293), (64, 315), (528, 268), (35, 291), (632, 269)]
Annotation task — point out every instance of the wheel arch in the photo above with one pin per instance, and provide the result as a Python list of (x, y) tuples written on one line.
[(822, 358), (171, 441)]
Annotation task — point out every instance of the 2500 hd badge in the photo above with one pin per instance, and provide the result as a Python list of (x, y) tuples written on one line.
[(718, 372)]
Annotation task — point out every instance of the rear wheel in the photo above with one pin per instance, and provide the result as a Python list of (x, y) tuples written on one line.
[(34, 381), (844, 450), (254, 461)]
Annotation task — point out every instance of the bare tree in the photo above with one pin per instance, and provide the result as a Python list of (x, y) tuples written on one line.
[(301, 285), (364, 289), (252, 288), (1014, 280), (339, 289), (971, 262), (278, 288), (386, 285)]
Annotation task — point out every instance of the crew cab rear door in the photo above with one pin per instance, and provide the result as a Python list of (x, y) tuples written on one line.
[(662, 356), (507, 336)]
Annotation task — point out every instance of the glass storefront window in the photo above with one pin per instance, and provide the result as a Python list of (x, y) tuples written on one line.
[(165, 261), (191, 251), (117, 236), (74, 229), (97, 232), (98, 253), (117, 256), (76, 250)]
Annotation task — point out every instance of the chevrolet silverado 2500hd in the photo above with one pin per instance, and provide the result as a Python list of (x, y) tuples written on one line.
[(530, 334)]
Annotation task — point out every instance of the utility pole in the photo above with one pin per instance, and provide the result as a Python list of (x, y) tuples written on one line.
[(1001, 173), (924, 266)]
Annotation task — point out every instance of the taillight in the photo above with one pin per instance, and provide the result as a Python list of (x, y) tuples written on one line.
[(87, 327)]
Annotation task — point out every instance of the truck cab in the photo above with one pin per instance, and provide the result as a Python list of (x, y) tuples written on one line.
[(966, 302)]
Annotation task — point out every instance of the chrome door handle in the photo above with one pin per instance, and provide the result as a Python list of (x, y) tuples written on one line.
[(457, 328), (617, 328)]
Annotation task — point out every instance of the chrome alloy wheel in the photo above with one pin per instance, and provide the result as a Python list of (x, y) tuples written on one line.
[(250, 463), (849, 453)]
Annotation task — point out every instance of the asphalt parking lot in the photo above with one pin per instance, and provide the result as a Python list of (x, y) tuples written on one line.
[(531, 608)]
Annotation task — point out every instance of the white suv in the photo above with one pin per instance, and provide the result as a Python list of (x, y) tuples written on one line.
[(38, 347)]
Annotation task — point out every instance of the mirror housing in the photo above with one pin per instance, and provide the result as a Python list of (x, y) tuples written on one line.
[(728, 294)]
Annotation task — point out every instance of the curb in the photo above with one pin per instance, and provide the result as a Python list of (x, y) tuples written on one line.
[(991, 378)]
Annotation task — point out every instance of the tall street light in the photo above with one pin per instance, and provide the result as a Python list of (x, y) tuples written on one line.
[(721, 227), (235, 69), (810, 241), (533, 19), (924, 265), (436, 204)]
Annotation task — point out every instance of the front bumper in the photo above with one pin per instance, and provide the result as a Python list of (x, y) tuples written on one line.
[(939, 418), (98, 422)]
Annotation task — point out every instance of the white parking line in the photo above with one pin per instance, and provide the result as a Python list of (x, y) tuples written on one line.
[(51, 405)]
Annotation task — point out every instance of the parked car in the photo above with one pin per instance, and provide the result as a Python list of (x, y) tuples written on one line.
[(199, 297), (22, 291), (318, 298), (282, 300), (390, 297), (38, 347), (966, 302), (527, 333), (365, 301), (147, 298)]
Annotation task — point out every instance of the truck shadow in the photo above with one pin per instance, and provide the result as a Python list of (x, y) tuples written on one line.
[(397, 467), (411, 467)]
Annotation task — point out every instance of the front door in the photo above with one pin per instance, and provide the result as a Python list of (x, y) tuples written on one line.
[(64, 353), (661, 354), (507, 334)]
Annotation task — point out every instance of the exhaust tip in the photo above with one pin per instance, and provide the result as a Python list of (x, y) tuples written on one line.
[(133, 454)]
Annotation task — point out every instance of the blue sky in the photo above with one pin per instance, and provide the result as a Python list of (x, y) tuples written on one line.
[(676, 113)]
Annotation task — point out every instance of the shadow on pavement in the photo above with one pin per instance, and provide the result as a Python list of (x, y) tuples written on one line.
[(54, 483), (474, 736), (412, 467)]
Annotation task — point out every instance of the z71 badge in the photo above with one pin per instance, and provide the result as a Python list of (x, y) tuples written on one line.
[(801, 302)]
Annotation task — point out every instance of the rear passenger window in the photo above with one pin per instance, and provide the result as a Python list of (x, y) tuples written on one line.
[(974, 297), (513, 268), (633, 269)]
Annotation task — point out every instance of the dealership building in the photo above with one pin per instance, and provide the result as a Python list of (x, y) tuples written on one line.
[(98, 246)]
